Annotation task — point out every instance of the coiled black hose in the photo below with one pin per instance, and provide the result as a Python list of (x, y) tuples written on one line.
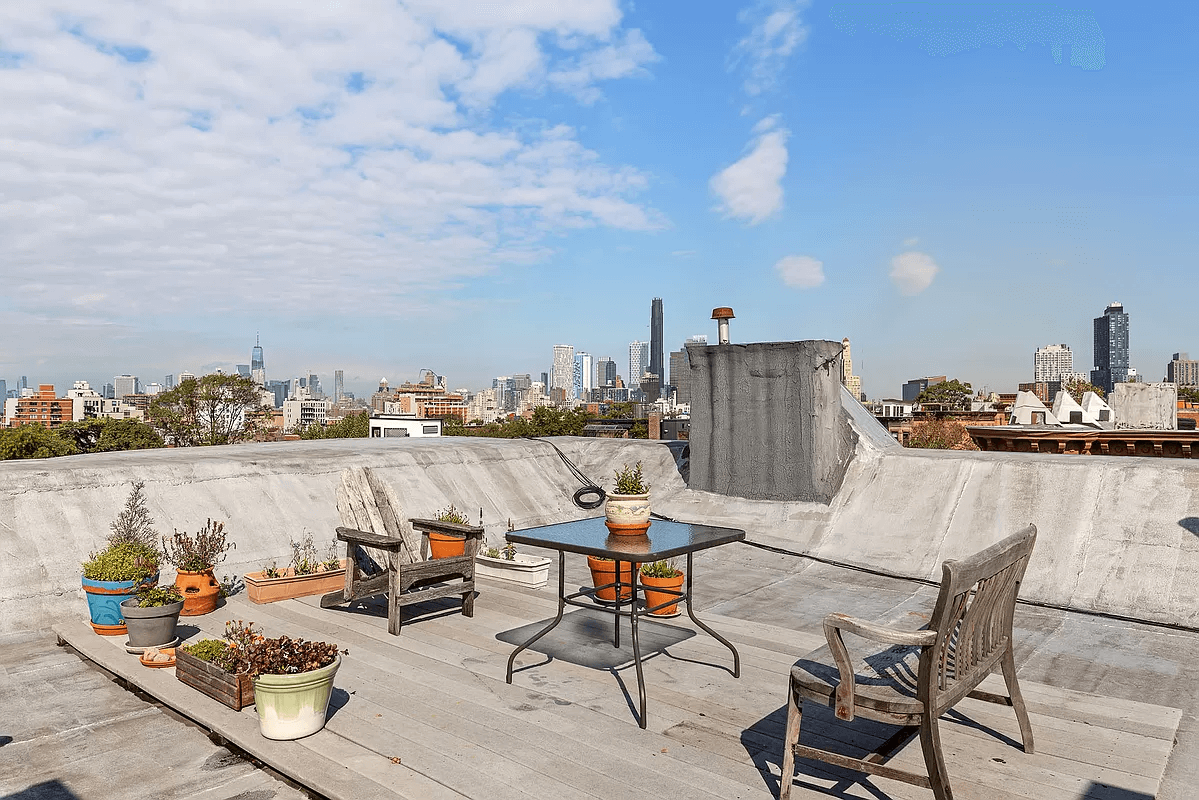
[(589, 486)]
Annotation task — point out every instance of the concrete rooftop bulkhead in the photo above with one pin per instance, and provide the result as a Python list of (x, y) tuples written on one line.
[(1117, 535)]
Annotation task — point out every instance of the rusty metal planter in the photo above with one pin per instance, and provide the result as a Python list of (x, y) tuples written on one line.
[(235, 691)]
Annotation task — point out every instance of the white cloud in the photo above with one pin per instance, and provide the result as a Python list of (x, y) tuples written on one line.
[(775, 31), (803, 272), (751, 190), (913, 272), (243, 157)]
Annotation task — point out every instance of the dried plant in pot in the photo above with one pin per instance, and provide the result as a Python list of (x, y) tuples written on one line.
[(306, 574), (627, 508), (506, 564), (151, 617), (194, 559), (293, 682), (209, 665), (128, 561)]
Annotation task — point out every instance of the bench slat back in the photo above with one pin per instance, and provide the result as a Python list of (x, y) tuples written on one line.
[(973, 616), (367, 503)]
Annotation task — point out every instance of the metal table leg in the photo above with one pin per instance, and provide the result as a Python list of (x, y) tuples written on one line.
[(714, 634), (636, 649), (557, 619)]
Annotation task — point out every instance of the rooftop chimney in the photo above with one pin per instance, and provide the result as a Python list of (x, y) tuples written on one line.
[(722, 316)]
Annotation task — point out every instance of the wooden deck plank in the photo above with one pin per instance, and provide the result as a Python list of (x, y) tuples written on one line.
[(566, 730), (492, 692)]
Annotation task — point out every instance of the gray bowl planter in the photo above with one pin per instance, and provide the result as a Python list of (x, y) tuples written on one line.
[(150, 627)]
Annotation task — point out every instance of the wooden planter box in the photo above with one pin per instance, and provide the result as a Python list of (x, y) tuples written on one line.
[(530, 571), (235, 691), (268, 590)]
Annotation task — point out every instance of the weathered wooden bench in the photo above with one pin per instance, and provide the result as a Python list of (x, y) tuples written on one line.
[(386, 554), (912, 677)]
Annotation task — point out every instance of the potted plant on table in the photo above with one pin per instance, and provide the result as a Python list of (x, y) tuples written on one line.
[(194, 559), (627, 506), (129, 560), (293, 682), (661, 575), (306, 574), (151, 617), (505, 564)]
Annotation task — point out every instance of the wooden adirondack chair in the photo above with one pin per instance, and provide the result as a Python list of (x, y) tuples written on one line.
[(386, 554), (923, 673)]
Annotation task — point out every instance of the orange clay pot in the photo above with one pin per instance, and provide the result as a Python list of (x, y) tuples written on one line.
[(604, 571), (445, 545), (653, 598), (200, 592)]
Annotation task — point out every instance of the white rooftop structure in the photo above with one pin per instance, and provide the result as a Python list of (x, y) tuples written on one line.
[(1029, 410)]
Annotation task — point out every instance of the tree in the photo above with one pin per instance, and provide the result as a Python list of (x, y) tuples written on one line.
[(952, 394), (103, 435), (33, 441), (940, 434), (1078, 387), (214, 409), (1188, 393), (351, 426)]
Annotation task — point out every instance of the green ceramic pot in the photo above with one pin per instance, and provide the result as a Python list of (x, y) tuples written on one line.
[(293, 706)]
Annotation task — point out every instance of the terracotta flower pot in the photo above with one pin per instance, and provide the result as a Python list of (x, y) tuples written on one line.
[(604, 571), (446, 545), (653, 598), (627, 514), (200, 591), (262, 589)]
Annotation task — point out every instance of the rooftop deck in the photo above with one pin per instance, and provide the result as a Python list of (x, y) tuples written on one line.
[(427, 714)]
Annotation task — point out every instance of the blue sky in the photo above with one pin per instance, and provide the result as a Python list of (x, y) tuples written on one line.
[(396, 187)]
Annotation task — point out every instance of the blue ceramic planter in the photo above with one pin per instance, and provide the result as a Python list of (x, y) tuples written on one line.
[(104, 599)]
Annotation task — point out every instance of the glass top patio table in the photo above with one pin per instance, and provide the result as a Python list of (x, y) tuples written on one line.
[(591, 537)]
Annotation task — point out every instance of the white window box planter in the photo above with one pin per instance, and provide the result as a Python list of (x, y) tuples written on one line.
[(526, 570)]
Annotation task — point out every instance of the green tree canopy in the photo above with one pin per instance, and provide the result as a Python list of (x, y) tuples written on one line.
[(33, 441), (952, 394), (1078, 387), (351, 426), (214, 409), (102, 435), (1189, 393)]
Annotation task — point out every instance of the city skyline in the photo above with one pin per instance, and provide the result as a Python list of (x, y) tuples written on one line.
[(949, 188)]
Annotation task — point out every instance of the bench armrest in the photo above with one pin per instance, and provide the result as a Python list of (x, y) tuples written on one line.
[(834, 624), (369, 539)]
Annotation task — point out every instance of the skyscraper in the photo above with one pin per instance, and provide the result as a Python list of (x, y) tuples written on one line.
[(564, 368), (850, 381), (638, 361), (656, 365), (679, 377), (123, 385), (605, 372), (243, 370), (1051, 362), (339, 385), (582, 374), (257, 364), (1111, 348)]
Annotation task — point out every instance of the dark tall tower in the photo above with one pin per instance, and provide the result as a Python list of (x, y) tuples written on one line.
[(1111, 348), (656, 365)]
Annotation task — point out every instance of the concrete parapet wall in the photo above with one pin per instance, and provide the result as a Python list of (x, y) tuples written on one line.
[(53, 512), (1117, 535)]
